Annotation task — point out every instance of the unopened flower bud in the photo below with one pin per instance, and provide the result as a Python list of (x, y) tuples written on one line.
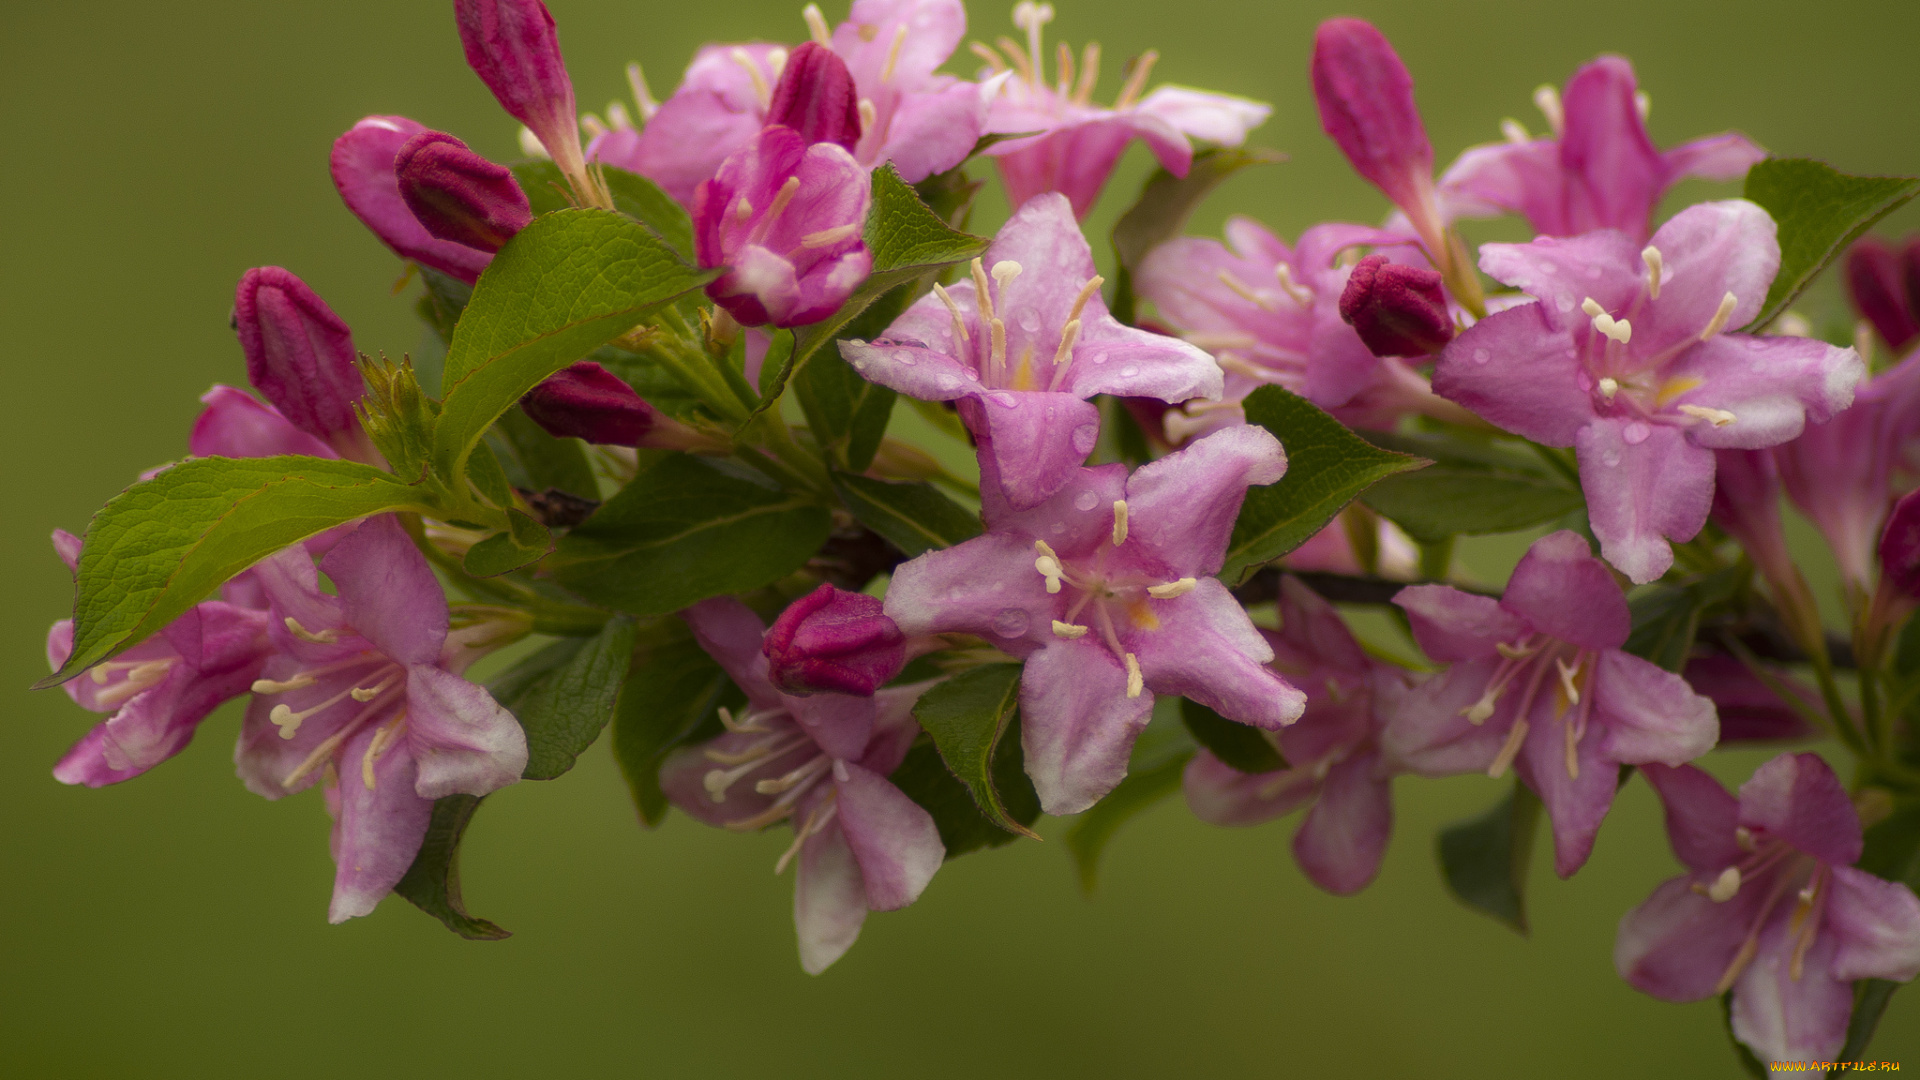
[(513, 46), (834, 641), (1398, 310), (1900, 546), (816, 97), (586, 401), (300, 355), (459, 195), (363, 171), (1366, 106), (1881, 282)]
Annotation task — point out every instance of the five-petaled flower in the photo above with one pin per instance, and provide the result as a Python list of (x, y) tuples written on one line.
[(1106, 590), (1538, 682)]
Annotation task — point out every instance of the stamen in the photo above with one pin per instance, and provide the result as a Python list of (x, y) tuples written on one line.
[(893, 53), (1069, 337), (1619, 330), (959, 324), (1717, 417), (377, 746), (1651, 256), (364, 694), (717, 781), (1300, 293), (759, 750), (869, 115), (1136, 683), (1547, 100), (269, 686), (143, 676), (1087, 292), (592, 126), (777, 60), (1478, 712), (1642, 104), (324, 637), (642, 96), (531, 146), (1743, 836), (1172, 589), (1509, 750), (743, 211), (750, 722), (1516, 651), (1567, 675), (324, 752), (997, 350), (1089, 73), (1514, 133), (800, 775), (817, 26), (781, 200), (816, 822), (1241, 289), (760, 88), (1049, 565), (1136, 79), (1119, 522), (289, 721), (1725, 887), (1720, 317), (1069, 631), (1804, 927), (618, 118), (1022, 65), (1063, 59), (1609, 386), (1031, 17), (981, 291), (826, 237), (1573, 750), (1740, 961), (986, 52), (1004, 272)]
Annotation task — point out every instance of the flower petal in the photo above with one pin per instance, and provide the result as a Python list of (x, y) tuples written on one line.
[(1344, 837), (1564, 272), (1641, 493), (1726, 156), (1615, 176), (1781, 1018), (1519, 370), (1676, 945), (377, 831), (1426, 730), (829, 899), (1701, 816), (1876, 927), (984, 586), (1182, 507), (1207, 650), (893, 839), (1797, 798), (237, 425), (1564, 592), (1710, 250), (390, 595), (362, 166), (1771, 385), (1649, 714), (1575, 804), (465, 742), (1031, 445), (1451, 625), (1077, 724), (731, 633), (1220, 794), (1222, 119)]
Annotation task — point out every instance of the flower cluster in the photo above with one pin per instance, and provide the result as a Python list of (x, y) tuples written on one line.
[(672, 341)]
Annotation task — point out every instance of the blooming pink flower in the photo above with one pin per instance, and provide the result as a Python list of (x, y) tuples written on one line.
[(1597, 170), (1884, 286), (785, 219), (365, 688), (1771, 908), (1079, 142), (155, 694), (1022, 346), (1106, 590), (1625, 357), (362, 164), (834, 640), (1538, 681), (822, 761), (1333, 753)]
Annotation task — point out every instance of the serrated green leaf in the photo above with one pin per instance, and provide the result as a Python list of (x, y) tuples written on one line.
[(671, 698), (432, 883), (1820, 212), (567, 284), (847, 414), (633, 195), (909, 243), (164, 544), (685, 530), (1666, 617), (1239, 746), (924, 777), (545, 460), (1140, 791), (1442, 502), (966, 717), (1327, 467), (1485, 859), (524, 543), (564, 694), (1166, 202), (912, 517)]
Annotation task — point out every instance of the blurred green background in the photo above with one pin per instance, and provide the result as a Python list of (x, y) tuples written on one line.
[(175, 926)]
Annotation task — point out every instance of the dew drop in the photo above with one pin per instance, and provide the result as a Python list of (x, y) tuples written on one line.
[(1029, 321), (1004, 400), (1610, 458), (1565, 303), (1010, 622), (1057, 528), (1086, 500), (1481, 356), (903, 357), (1129, 371), (1051, 411), (1084, 438), (1635, 433), (947, 382)]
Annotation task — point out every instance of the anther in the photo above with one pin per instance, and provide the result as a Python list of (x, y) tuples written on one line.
[(1567, 674), (1720, 317), (1300, 293), (1513, 652), (953, 309), (825, 237), (1069, 337), (531, 146), (1651, 256), (1609, 386), (1717, 417), (743, 211), (1619, 330), (269, 686), (1049, 565), (1119, 522), (592, 126), (1642, 104), (1547, 100), (1514, 132), (781, 199), (777, 60), (1172, 589), (1004, 272), (817, 25), (1725, 886), (1136, 683), (642, 96), (1478, 712), (760, 88), (139, 678), (1087, 291), (1743, 836), (324, 637), (869, 115), (1069, 631), (618, 118)]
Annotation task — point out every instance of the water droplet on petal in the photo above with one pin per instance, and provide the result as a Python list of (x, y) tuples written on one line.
[(903, 357), (1086, 500), (1010, 622), (1481, 356), (1565, 303), (973, 375), (1057, 528), (1004, 400), (1549, 269), (1129, 371), (1635, 433), (947, 382), (1030, 321), (1051, 411), (1084, 437)]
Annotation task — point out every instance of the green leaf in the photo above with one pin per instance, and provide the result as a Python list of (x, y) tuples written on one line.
[(526, 542), (966, 716), (1166, 202), (847, 414), (1091, 831), (1327, 467), (1441, 502), (908, 241), (671, 698), (432, 883), (924, 777), (1241, 747), (1666, 617), (567, 284), (1892, 852), (1820, 212), (564, 694), (685, 530), (1870, 1000), (164, 544), (950, 194), (1485, 859), (547, 461), (633, 195), (440, 306), (912, 517)]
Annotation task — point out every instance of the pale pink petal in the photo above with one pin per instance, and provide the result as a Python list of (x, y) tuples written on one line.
[(1217, 118), (1220, 794), (1649, 714), (389, 593), (1771, 385), (1875, 925), (983, 586), (1451, 625), (1797, 798), (893, 839), (1519, 370), (1564, 272), (829, 899), (1031, 445), (377, 830), (464, 741), (1575, 804), (1710, 250), (1562, 591), (1344, 836), (237, 425), (1716, 157), (1781, 1018), (731, 633), (1676, 945), (1077, 724), (1183, 506), (1427, 731), (1645, 484), (1207, 650)]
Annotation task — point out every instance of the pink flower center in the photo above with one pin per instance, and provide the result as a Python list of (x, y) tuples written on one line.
[(783, 742), (1528, 662), (1784, 869), (1623, 382), (1101, 597)]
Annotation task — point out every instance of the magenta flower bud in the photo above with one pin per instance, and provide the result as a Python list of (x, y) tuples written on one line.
[(785, 219), (834, 641), (586, 401), (1397, 310), (513, 47), (1881, 282), (363, 171), (301, 356), (816, 97), (1900, 546), (1366, 106), (459, 195)]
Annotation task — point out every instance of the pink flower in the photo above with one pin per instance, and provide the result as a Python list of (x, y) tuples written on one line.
[(586, 401), (1335, 768), (365, 688), (1884, 286), (1771, 908), (1626, 357), (1106, 590), (1365, 95), (1022, 346), (821, 761), (1597, 170), (1080, 142), (362, 164), (785, 219), (1538, 681)]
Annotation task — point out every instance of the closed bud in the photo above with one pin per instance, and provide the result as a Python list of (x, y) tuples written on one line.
[(1879, 279), (816, 97), (586, 401), (300, 355), (513, 46), (1366, 105), (1397, 310), (834, 641), (1900, 547), (363, 171), (459, 195)]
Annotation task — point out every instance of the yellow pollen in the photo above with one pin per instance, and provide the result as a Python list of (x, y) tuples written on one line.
[(1068, 630), (1720, 317), (1676, 386), (1119, 522), (1172, 589), (1136, 683), (1142, 616)]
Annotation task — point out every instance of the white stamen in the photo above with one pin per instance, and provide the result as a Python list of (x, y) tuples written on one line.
[(1003, 273), (1049, 565), (1300, 293), (1136, 683), (953, 309), (1619, 330), (781, 200), (1567, 674), (1655, 264), (1514, 132), (1089, 73), (796, 776), (760, 88), (1031, 17), (987, 52), (1069, 631), (592, 126), (618, 117), (1547, 100), (1515, 651), (1119, 522), (893, 53), (531, 146), (817, 26), (1136, 79), (1069, 336), (642, 96), (1642, 104), (269, 686), (1087, 292), (826, 237), (982, 293), (289, 721), (1720, 316), (1717, 417), (1743, 836), (1794, 324), (816, 822), (324, 637), (1509, 750), (743, 211), (1609, 386), (869, 115), (383, 738), (1172, 589), (1241, 289), (777, 60), (1726, 886), (139, 678), (1478, 712)]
